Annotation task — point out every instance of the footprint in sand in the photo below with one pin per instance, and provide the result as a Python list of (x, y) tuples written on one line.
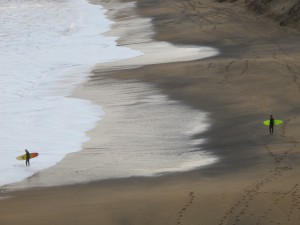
[(181, 212)]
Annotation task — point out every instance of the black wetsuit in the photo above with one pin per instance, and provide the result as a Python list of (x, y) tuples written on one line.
[(27, 158), (271, 126)]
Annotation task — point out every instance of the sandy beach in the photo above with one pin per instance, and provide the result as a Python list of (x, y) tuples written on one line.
[(256, 73)]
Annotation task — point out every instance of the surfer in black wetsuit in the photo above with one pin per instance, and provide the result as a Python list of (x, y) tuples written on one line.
[(271, 125), (27, 157)]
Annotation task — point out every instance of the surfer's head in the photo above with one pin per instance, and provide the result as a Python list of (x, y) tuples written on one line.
[(271, 116)]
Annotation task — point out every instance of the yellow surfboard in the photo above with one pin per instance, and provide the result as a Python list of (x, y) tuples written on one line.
[(23, 157), (276, 122)]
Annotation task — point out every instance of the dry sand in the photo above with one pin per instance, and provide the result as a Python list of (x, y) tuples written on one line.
[(255, 182)]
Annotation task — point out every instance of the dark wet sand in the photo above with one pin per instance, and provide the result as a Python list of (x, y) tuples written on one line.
[(257, 179)]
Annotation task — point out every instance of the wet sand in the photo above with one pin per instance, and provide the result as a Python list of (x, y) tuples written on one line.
[(256, 179)]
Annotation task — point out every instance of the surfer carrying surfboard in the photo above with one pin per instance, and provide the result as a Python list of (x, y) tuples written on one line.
[(27, 158), (271, 125)]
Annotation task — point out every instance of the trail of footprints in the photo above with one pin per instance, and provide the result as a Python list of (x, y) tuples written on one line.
[(294, 195), (235, 213), (294, 211), (191, 198)]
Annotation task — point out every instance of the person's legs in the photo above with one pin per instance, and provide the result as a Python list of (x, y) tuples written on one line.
[(27, 162), (271, 129)]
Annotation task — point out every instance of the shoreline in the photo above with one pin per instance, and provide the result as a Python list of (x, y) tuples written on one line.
[(256, 181)]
